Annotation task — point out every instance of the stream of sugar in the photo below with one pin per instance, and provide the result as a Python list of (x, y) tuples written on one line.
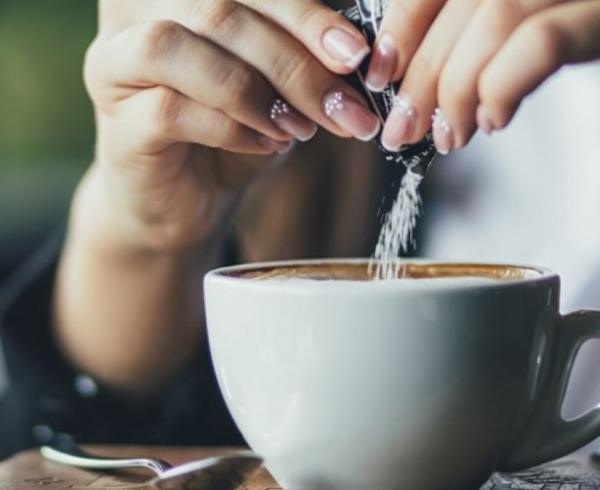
[(397, 231)]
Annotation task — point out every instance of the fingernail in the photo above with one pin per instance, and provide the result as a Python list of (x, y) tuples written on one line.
[(352, 116), (443, 135), (291, 121), (383, 64), (484, 121), (274, 145), (400, 124), (345, 47)]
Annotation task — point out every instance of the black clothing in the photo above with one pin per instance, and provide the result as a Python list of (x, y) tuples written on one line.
[(46, 396)]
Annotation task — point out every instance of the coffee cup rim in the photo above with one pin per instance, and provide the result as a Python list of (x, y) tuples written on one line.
[(226, 275)]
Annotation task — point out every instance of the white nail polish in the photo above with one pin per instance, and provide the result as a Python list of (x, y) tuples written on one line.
[(291, 121), (403, 105), (439, 120), (400, 123), (355, 61), (345, 47), (351, 116), (334, 103), (279, 108), (443, 135)]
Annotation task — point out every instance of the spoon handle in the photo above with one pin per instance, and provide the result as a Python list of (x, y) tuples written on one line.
[(75, 456)]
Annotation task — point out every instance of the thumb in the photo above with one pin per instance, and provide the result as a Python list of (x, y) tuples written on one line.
[(331, 38)]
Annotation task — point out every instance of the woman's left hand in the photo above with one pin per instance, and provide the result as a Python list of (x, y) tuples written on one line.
[(469, 63)]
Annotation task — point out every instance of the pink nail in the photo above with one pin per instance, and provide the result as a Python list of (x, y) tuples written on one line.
[(352, 116), (345, 47), (400, 124), (274, 145), (383, 64), (484, 121), (291, 121), (443, 135)]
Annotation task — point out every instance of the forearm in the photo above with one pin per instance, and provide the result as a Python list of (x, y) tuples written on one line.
[(187, 118), (125, 313)]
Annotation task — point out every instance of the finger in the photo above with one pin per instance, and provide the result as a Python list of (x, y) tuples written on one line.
[(166, 53), (410, 118), (289, 67), (458, 98), (403, 28), (154, 119), (563, 34), (329, 36)]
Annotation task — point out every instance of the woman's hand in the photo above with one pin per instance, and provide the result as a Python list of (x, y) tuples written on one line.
[(471, 62), (193, 97), (189, 108)]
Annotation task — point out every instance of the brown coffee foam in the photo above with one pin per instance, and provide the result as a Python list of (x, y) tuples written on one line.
[(360, 272)]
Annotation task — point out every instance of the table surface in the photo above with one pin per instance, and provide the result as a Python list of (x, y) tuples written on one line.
[(28, 471)]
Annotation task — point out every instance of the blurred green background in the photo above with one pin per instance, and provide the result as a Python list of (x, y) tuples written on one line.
[(46, 121)]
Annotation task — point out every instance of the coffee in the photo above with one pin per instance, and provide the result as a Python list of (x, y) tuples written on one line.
[(357, 271)]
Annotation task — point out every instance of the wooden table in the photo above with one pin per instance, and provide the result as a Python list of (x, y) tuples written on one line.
[(28, 471)]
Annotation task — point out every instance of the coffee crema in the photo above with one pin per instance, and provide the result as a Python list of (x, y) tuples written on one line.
[(349, 271)]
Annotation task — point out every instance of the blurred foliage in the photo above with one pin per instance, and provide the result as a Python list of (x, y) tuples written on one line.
[(46, 119), (45, 114)]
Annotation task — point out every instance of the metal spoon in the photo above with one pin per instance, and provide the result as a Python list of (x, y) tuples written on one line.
[(217, 473)]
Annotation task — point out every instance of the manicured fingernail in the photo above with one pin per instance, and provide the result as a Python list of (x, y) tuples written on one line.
[(274, 145), (291, 121), (443, 135), (345, 47), (400, 124), (352, 116), (484, 121), (383, 64)]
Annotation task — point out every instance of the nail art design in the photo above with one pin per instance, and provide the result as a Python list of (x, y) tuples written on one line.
[(344, 47), (291, 121), (334, 103), (279, 108), (443, 135), (351, 116), (383, 64), (400, 124), (403, 106), (438, 119)]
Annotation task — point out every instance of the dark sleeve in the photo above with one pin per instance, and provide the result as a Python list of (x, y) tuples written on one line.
[(46, 396)]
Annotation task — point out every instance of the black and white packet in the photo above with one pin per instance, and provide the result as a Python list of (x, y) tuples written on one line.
[(367, 15)]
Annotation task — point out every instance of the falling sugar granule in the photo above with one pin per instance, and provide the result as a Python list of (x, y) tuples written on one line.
[(396, 234)]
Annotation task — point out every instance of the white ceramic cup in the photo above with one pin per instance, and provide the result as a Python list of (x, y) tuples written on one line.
[(410, 384)]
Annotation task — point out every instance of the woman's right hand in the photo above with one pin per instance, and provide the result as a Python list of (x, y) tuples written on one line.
[(189, 105)]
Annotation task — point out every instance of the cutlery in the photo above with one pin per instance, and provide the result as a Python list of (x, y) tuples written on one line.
[(225, 472)]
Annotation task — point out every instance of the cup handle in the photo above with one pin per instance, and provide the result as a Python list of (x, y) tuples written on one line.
[(549, 436)]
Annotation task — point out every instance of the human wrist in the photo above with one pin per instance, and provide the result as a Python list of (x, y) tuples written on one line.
[(110, 215)]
